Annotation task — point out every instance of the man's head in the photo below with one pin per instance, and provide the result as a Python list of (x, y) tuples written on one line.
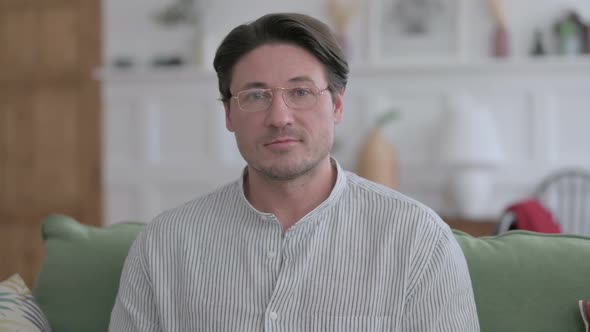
[(296, 29), (282, 80)]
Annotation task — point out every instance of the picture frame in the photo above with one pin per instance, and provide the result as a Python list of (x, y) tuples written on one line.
[(415, 29)]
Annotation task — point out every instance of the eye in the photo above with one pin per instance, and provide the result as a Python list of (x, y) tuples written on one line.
[(301, 92), (256, 95)]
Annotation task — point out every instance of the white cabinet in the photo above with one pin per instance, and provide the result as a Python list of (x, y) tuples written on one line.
[(165, 140)]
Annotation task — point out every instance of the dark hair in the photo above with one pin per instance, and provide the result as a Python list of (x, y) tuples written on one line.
[(298, 29)]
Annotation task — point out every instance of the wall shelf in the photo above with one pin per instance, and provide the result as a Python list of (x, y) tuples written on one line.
[(510, 65), (547, 64)]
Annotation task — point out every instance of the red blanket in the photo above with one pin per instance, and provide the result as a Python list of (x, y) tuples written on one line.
[(531, 215)]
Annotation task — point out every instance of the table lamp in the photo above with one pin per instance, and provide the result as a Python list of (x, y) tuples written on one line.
[(470, 146)]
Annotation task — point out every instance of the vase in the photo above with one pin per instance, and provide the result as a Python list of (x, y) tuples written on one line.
[(378, 160)]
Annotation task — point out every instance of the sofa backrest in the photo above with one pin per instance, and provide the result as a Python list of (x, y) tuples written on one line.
[(522, 281), (525, 281)]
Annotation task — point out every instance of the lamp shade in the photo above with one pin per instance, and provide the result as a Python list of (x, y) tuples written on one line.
[(469, 135)]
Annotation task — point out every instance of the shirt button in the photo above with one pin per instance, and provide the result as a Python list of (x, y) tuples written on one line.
[(274, 315), (271, 254)]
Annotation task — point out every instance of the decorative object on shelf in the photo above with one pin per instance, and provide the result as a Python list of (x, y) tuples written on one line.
[(378, 160), (571, 34), (416, 28), (341, 13), (500, 36), (167, 61), (186, 13), (415, 17), (538, 48), (123, 62), (470, 146), (177, 13)]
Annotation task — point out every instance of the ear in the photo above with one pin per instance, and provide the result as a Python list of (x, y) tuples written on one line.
[(339, 106), (228, 123)]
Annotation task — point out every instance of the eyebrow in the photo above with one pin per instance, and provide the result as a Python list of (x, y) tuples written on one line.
[(251, 85), (302, 79)]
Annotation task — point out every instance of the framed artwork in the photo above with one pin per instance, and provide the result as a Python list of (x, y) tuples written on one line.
[(409, 29)]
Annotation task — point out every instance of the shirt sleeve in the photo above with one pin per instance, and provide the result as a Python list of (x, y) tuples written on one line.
[(135, 308), (441, 299)]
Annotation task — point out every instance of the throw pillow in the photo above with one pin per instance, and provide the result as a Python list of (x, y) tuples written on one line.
[(18, 309), (585, 311), (79, 279)]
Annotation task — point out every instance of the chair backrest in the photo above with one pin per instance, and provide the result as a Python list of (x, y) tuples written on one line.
[(566, 193)]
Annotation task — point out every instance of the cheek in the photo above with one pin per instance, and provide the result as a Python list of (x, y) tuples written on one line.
[(321, 126), (329, 117), (244, 129), (236, 120)]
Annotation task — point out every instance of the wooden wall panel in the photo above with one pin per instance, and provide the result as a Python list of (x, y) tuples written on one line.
[(89, 155), (18, 135), (60, 33), (15, 238), (50, 154), (56, 131), (19, 40)]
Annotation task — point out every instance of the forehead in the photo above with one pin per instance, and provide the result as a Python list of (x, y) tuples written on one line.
[(277, 65)]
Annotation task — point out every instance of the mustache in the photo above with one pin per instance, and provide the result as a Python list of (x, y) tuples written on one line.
[(277, 133)]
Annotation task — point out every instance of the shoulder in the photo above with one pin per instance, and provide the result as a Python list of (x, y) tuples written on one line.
[(192, 214), (375, 198)]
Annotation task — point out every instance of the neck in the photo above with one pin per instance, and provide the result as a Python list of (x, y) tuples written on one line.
[(290, 200)]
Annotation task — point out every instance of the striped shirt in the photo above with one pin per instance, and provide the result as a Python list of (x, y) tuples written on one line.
[(366, 259)]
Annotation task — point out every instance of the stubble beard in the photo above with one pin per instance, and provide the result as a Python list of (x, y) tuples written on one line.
[(289, 172), (290, 169)]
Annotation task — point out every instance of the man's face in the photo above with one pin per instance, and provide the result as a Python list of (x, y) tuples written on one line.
[(281, 142)]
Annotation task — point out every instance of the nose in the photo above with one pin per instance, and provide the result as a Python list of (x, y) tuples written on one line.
[(278, 113)]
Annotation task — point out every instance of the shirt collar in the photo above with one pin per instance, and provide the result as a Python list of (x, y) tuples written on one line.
[(335, 194)]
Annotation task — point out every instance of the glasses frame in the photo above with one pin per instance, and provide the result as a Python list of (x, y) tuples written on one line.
[(318, 92)]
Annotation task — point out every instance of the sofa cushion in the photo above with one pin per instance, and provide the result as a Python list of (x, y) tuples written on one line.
[(18, 309), (78, 282), (525, 281)]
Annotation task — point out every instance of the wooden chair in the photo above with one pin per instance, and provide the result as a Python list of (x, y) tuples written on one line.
[(566, 193)]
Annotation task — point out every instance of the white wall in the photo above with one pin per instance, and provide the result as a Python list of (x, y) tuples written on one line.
[(165, 141)]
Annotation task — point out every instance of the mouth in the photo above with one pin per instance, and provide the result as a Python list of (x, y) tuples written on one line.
[(282, 142)]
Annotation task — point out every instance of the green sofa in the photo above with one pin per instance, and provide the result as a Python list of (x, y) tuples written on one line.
[(522, 281)]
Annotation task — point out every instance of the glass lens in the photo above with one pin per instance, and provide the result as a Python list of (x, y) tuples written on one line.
[(300, 97), (255, 99)]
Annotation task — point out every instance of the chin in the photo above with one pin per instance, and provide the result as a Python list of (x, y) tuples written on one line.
[(285, 170)]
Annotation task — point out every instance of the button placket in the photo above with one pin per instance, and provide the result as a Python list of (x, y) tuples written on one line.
[(270, 253), (289, 252), (273, 247)]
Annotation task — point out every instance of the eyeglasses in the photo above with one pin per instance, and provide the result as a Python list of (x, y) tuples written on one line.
[(255, 100)]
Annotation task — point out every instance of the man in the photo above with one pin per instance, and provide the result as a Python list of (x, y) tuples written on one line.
[(297, 243)]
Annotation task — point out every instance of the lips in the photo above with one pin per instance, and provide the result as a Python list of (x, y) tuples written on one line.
[(282, 141)]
